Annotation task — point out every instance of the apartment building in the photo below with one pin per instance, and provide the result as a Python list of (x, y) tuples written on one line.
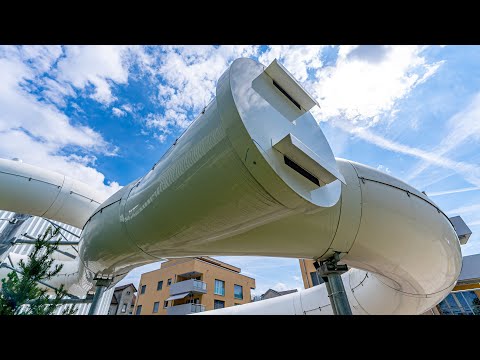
[(188, 285)]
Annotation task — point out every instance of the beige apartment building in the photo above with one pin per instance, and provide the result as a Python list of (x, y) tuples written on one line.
[(309, 273), (189, 285)]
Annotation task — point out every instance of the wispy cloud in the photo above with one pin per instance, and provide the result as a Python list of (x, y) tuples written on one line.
[(470, 172), (461, 127), (462, 210), (453, 191), (118, 112)]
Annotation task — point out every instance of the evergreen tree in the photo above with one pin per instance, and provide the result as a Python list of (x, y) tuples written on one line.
[(20, 293)]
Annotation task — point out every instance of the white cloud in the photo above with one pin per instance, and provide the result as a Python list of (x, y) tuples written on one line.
[(189, 75), (37, 131), (127, 107), (98, 66), (384, 169), (298, 59), (280, 287), (56, 92), (15, 143), (161, 137), (366, 83), (118, 112), (40, 58), (158, 121)]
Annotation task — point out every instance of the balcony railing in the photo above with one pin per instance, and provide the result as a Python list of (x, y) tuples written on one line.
[(192, 285), (185, 309)]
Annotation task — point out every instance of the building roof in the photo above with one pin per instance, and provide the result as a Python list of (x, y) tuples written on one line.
[(287, 292), (125, 286), (207, 259), (470, 269), (220, 263), (279, 293)]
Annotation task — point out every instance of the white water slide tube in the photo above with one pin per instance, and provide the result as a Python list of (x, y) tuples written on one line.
[(254, 175)]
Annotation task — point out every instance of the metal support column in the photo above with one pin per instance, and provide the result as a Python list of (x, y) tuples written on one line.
[(102, 284), (332, 271), (329, 291)]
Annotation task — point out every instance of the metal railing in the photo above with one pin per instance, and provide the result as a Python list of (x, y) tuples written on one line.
[(196, 308), (185, 309), (191, 285)]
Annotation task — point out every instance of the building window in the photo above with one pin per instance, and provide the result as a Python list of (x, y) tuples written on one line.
[(124, 307), (155, 306), (169, 282), (139, 310), (128, 292), (165, 304), (219, 287), (218, 304), (160, 285), (460, 303), (238, 292), (144, 287), (316, 280)]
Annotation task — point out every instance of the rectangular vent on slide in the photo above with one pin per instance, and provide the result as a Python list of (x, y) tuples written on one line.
[(301, 170), (286, 94)]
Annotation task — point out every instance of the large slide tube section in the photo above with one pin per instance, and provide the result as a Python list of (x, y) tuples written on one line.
[(405, 256), (226, 175)]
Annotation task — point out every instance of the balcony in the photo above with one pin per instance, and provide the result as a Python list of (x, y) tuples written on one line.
[(187, 286), (185, 309)]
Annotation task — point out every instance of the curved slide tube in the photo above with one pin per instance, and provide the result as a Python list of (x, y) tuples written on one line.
[(254, 175), (35, 191)]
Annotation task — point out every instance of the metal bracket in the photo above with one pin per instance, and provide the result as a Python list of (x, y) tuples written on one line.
[(103, 279), (330, 266)]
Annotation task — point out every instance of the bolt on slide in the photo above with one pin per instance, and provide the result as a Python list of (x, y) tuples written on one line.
[(255, 175)]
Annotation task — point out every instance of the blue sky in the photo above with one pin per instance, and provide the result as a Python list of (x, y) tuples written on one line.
[(106, 114)]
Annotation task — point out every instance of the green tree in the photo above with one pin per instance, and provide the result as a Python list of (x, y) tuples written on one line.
[(20, 293)]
